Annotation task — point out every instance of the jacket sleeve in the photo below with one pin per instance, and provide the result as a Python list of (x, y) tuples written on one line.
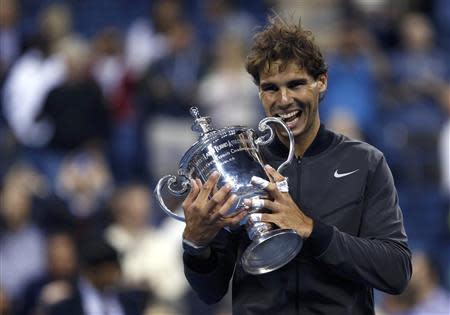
[(210, 278), (379, 256)]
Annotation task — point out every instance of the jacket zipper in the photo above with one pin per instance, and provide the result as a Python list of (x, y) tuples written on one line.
[(298, 193)]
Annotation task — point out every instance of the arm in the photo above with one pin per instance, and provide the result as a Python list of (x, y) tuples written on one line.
[(210, 277), (210, 271), (379, 257)]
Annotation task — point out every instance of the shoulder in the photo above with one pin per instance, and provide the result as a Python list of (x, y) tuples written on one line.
[(357, 149)]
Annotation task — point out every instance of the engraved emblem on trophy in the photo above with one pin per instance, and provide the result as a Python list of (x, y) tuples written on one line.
[(235, 153)]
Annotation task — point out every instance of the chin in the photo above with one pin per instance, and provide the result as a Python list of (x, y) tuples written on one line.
[(298, 130), (295, 132)]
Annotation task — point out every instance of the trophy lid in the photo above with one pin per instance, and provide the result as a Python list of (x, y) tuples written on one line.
[(202, 124)]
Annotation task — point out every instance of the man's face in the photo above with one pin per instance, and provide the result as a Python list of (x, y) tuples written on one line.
[(293, 95), (105, 276)]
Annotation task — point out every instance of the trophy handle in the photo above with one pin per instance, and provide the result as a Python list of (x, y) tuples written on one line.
[(263, 126), (170, 180)]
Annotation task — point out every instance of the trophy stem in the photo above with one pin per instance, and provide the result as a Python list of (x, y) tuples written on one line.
[(270, 249), (258, 229)]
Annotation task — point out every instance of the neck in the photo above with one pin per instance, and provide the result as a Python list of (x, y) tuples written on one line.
[(303, 141)]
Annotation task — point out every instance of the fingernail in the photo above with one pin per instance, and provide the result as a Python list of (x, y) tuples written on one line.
[(268, 166), (228, 186), (247, 202), (215, 173)]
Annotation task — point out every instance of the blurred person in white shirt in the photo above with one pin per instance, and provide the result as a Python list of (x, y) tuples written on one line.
[(150, 257), (226, 92), (33, 75)]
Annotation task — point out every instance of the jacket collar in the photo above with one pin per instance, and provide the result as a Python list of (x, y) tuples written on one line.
[(321, 142)]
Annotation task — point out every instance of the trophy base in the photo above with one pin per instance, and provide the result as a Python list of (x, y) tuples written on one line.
[(271, 251)]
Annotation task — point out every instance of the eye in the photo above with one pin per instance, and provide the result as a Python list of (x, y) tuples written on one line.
[(269, 87), (296, 83)]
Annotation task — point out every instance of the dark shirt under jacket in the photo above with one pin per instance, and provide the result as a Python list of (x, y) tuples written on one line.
[(78, 114), (358, 241)]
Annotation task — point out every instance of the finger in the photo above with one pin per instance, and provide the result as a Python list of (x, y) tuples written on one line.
[(195, 189), (273, 173), (222, 211), (254, 203), (283, 186), (269, 218), (235, 219), (238, 211), (207, 188), (262, 217), (259, 182), (199, 183), (215, 189), (270, 187), (219, 197), (257, 203)]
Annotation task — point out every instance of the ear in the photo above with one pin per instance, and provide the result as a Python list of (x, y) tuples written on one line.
[(322, 82)]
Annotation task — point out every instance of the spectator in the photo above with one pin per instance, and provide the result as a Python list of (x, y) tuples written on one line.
[(419, 66), (168, 86), (164, 95), (412, 118), (118, 83), (74, 110), (96, 290), (225, 17), (150, 257), (353, 66), (225, 92), (5, 303), (36, 72), (10, 37), (108, 61), (424, 294), (76, 102), (84, 182), (146, 40), (61, 267), (22, 244)]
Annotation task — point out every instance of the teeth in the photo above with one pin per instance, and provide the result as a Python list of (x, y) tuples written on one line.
[(289, 115)]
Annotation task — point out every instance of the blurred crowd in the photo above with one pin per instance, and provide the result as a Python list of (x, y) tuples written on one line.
[(95, 99)]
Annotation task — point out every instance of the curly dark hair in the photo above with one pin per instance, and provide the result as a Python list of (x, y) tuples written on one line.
[(286, 42)]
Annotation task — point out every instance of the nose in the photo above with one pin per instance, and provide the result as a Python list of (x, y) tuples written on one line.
[(285, 97)]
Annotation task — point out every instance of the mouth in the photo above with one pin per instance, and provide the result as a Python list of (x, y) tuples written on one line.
[(291, 118)]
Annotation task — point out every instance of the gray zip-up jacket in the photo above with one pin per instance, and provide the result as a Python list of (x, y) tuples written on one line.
[(358, 241)]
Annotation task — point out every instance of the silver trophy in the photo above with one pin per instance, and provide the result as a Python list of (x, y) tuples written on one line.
[(234, 152)]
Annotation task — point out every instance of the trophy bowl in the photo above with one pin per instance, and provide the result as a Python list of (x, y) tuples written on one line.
[(235, 153)]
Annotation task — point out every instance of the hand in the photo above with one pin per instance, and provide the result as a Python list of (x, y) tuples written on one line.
[(205, 216), (284, 211)]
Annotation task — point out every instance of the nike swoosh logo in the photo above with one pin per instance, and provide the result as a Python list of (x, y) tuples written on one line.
[(337, 175)]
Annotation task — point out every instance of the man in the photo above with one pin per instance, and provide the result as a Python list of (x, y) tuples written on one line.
[(341, 201), (95, 292)]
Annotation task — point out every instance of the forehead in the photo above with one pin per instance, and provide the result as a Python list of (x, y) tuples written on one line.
[(282, 70)]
